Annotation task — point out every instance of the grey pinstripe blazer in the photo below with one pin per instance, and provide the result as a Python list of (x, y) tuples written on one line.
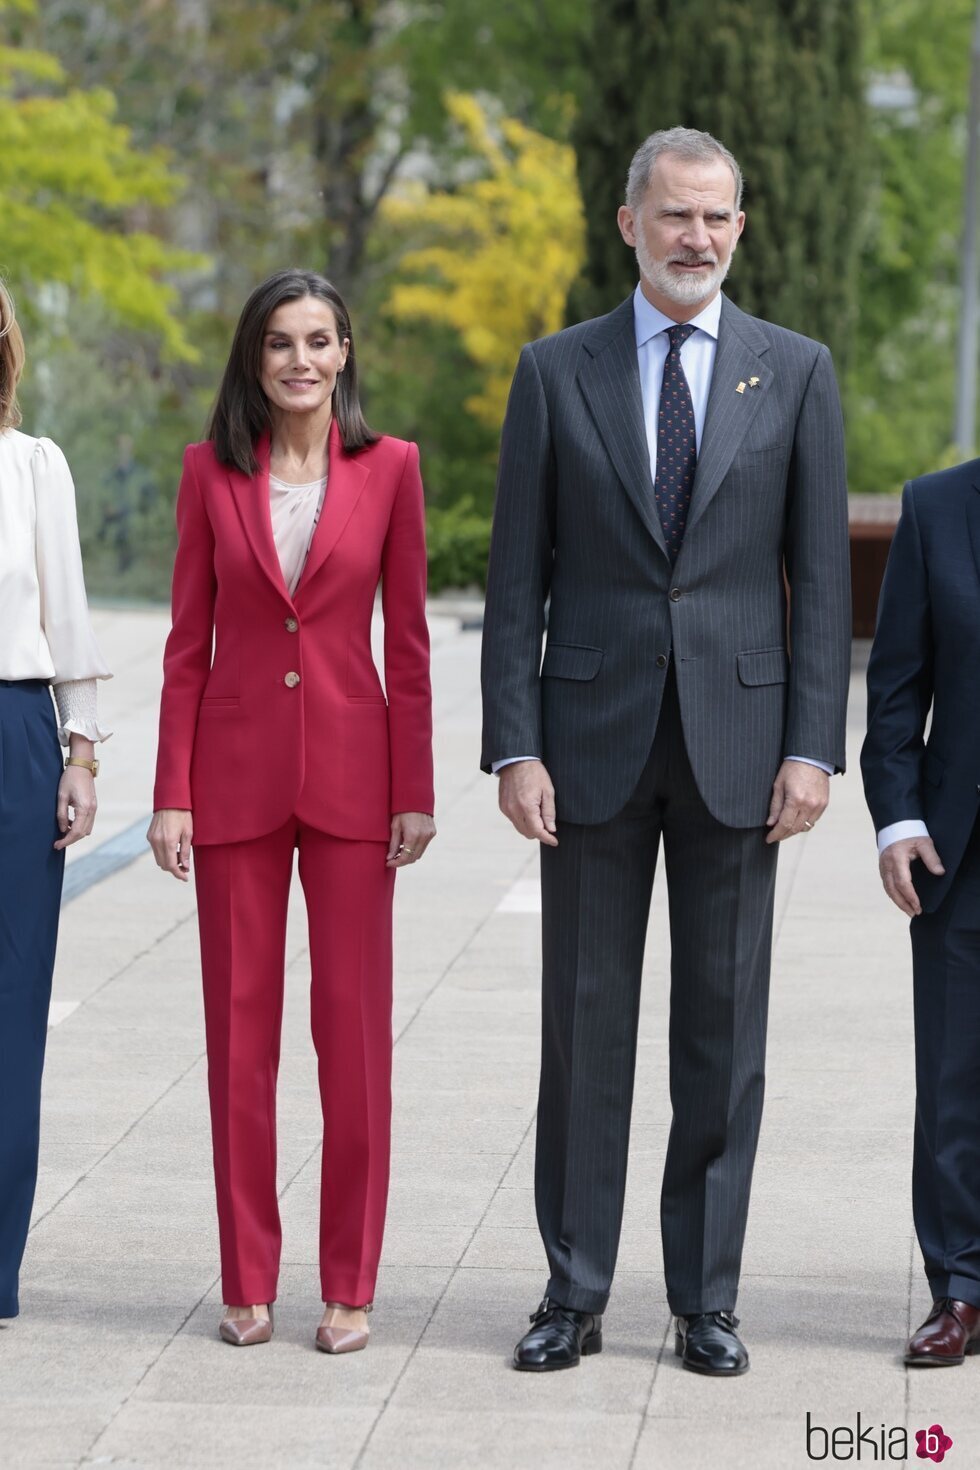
[(575, 521)]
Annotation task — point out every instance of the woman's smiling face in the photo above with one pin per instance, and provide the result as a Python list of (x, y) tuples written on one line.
[(302, 354)]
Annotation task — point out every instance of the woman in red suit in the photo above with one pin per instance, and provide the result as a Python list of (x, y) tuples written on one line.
[(288, 516)]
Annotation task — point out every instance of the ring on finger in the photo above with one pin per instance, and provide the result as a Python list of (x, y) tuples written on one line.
[(807, 825)]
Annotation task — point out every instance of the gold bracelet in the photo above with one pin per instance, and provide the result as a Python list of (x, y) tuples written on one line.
[(74, 760)]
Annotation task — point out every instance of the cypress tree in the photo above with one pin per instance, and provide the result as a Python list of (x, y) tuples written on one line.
[(780, 83)]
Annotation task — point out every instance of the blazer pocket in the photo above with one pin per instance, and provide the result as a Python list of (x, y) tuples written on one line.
[(755, 451), (934, 768), (366, 699), (570, 661), (763, 666), (220, 701)]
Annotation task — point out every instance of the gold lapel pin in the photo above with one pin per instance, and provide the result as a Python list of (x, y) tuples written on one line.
[(740, 388), (753, 382)]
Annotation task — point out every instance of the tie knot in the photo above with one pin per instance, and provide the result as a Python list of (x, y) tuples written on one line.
[(679, 335)]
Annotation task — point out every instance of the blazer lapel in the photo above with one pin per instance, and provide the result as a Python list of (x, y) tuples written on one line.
[(609, 377), (738, 359), (251, 493), (973, 521), (347, 475)]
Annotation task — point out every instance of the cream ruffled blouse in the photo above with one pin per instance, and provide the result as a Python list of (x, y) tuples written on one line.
[(295, 511), (45, 628)]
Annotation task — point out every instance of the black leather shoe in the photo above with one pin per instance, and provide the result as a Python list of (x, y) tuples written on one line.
[(708, 1343), (559, 1338)]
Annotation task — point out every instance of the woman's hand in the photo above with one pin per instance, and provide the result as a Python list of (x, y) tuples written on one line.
[(170, 835), (411, 833), (76, 790)]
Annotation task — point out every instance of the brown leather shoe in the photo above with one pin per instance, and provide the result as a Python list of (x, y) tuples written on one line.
[(950, 1332)]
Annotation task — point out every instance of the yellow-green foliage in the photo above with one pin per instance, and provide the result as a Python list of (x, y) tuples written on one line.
[(506, 248), (70, 182)]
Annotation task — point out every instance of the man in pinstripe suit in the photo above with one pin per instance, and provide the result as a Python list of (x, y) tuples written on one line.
[(660, 467)]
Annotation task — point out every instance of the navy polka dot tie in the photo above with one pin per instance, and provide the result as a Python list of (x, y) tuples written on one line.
[(677, 445)]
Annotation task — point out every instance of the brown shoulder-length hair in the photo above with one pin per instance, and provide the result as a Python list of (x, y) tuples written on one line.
[(11, 361), (241, 410)]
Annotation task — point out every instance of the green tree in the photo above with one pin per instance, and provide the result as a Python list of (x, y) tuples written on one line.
[(72, 184), (503, 249), (780, 82), (901, 386), (294, 117)]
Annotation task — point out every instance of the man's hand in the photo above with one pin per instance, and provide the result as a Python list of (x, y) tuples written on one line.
[(527, 797), (800, 794), (895, 865)]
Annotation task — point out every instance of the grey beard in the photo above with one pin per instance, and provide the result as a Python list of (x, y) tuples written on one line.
[(683, 290)]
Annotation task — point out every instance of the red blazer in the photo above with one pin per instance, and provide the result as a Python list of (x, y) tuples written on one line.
[(289, 716)]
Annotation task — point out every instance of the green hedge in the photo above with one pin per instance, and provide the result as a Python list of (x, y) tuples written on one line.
[(458, 540)]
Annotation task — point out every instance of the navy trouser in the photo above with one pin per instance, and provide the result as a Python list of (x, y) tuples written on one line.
[(30, 896), (946, 1158)]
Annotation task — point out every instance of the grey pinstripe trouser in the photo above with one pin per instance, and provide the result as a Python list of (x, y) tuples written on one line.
[(596, 888)]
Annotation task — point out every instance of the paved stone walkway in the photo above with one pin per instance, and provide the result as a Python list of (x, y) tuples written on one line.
[(115, 1360)]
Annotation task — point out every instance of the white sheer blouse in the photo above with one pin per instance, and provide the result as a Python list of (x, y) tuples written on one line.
[(45, 628)]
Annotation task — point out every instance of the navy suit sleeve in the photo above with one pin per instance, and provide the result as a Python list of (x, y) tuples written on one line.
[(900, 680)]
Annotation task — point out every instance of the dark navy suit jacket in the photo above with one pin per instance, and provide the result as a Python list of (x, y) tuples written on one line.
[(926, 654)]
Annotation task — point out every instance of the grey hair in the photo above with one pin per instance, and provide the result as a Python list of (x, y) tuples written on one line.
[(686, 143)]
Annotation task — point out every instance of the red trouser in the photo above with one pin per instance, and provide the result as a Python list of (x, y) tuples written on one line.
[(242, 893)]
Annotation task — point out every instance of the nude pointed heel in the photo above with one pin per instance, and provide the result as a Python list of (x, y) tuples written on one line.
[(246, 1331), (343, 1339)]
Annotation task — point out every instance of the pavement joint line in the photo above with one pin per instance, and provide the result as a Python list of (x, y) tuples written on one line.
[(454, 1272), (118, 974), (787, 900), (447, 970), (123, 1136), (60, 1010), (87, 1456), (410, 1022), (108, 858), (121, 1139), (645, 1416)]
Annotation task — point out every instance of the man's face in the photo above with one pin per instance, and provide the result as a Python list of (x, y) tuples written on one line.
[(684, 231)]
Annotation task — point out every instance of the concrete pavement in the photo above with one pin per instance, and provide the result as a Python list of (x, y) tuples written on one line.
[(115, 1359)]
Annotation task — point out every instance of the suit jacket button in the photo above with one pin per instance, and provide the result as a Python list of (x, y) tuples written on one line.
[(291, 680), (661, 660), (675, 594), (291, 625)]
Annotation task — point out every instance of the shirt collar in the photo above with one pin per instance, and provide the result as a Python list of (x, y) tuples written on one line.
[(648, 321)]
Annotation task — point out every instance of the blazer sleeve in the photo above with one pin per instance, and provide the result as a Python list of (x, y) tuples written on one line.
[(187, 656), (900, 680), (818, 568), (406, 645), (519, 573), (65, 615)]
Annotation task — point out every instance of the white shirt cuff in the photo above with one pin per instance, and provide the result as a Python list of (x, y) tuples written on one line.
[(805, 760), (899, 830), (77, 702), (511, 761)]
